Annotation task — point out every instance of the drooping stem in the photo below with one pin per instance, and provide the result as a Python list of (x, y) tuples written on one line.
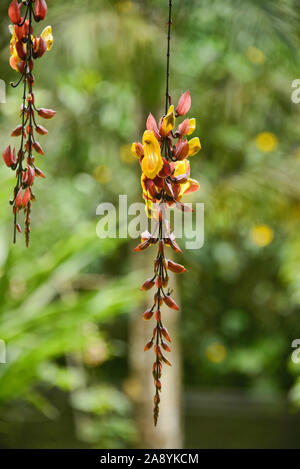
[(160, 257), (24, 112), (25, 48), (168, 54), (158, 325)]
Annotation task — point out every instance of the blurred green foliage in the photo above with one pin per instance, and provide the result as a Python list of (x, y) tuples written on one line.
[(64, 301)]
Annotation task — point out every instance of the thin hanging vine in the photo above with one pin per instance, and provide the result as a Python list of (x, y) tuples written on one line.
[(25, 47), (165, 179)]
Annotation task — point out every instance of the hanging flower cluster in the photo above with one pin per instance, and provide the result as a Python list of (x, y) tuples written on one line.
[(25, 47), (165, 179)]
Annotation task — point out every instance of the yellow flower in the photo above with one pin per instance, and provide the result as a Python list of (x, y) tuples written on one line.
[(266, 142), (255, 55), (152, 162), (133, 150), (14, 59), (191, 185), (192, 126), (194, 146), (48, 37), (181, 167), (262, 235), (216, 353), (137, 149), (168, 122)]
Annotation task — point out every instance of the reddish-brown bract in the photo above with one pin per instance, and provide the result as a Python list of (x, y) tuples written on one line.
[(40, 9), (14, 12)]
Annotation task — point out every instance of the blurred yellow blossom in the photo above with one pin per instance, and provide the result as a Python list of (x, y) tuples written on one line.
[(102, 174), (266, 141), (255, 55), (296, 211), (297, 153), (216, 353), (262, 235), (126, 154), (124, 6)]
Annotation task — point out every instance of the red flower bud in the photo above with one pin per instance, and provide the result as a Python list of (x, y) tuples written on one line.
[(147, 314), (160, 302), (26, 197), (184, 104), (148, 345), (28, 176), (165, 346), (17, 131), (20, 50), (165, 333), (183, 128), (9, 157), (157, 384), (41, 130), (157, 351), (14, 12), (142, 246), (139, 149), (166, 361), (39, 172), (18, 201), (158, 282), (22, 31), (158, 316), (148, 284), (42, 47), (181, 150), (21, 67), (38, 148), (152, 125), (171, 303), (40, 9), (154, 368), (172, 242), (46, 113), (176, 268)]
